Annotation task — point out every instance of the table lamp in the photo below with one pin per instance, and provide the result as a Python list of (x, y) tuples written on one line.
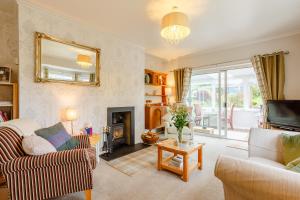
[(168, 92), (71, 115)]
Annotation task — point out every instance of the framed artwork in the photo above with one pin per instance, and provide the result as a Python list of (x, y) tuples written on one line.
[(5, 74)]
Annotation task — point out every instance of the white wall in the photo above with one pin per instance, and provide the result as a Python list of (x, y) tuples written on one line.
[(9, 38), (292, 61), (122, 74), (156, 63)]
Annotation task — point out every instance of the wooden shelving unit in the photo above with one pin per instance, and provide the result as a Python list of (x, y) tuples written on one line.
[(157, 79), (155, 111), (9, 99)]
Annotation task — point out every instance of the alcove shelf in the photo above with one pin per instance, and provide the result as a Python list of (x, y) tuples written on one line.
[(9, 100)]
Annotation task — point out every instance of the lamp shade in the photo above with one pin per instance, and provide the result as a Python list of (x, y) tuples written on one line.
[(84, 60), (71, 114), (174, 27)]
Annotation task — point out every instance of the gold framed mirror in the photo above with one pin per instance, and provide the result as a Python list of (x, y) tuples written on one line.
[(62, 61)]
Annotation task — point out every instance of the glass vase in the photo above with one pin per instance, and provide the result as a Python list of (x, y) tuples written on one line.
[(179, 135)]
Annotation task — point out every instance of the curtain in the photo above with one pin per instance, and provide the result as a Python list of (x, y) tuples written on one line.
[(270, 73), (182, 79)]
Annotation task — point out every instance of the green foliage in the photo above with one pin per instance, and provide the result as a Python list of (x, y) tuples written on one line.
[(236, 99), (179, 117), (256, 100)]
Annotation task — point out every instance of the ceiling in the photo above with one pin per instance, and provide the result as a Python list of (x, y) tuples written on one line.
[(214, 23)]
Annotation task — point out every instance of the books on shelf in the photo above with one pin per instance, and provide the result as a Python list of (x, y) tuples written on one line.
[(3, 116), (6, 103), (176, 161)]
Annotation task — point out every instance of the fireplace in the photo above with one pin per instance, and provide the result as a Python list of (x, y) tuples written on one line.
[(121, 121)]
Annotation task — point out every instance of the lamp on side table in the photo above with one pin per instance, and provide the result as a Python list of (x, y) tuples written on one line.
[(71, 115)]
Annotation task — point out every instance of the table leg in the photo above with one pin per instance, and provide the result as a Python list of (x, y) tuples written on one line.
[(159, 158), (200, 158), (185, 176), (98, 152)]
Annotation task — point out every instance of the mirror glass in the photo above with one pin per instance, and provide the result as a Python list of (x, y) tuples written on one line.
[(60, 61)]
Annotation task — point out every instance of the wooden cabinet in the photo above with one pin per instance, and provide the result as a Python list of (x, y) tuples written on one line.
[(153, 116)]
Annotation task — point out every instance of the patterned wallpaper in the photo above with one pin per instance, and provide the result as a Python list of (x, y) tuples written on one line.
[(9, 41), (122, 74)]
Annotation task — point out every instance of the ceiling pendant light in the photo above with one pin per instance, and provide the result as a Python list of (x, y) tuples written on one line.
[(84, 61), (174, 27)]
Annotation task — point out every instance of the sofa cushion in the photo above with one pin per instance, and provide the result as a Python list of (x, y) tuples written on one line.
[(267, 162), (23, 127), (294, 165), (291, 147), (58, 137), (36, 145)]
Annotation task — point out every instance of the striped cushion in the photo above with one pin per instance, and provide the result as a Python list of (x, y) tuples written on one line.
[(11, 145)]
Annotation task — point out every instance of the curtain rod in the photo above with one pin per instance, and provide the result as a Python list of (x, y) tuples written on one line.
[(285, 52)]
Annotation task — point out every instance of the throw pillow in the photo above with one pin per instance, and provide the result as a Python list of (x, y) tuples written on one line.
[(58, 137), (36, 145), (294, 165), (291, 147)]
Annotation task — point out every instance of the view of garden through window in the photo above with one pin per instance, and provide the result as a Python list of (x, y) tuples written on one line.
[(242, 89), (208, 97)]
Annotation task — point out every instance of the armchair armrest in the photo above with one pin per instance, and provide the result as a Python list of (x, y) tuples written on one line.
[(84, 141), (245, 179), (47, 160)]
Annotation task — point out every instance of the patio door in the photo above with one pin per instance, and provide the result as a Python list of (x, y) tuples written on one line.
[(208, 96), (226, 101)]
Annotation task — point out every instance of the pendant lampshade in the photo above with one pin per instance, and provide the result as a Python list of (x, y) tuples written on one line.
[(84, 61), (174, 27)]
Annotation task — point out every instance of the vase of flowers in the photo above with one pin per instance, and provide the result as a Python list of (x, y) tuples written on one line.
[(180, 119)]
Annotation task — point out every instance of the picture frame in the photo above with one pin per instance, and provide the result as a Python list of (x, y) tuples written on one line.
[(5, 74)]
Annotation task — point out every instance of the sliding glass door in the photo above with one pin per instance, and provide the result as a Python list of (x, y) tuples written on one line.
[(226, 102)]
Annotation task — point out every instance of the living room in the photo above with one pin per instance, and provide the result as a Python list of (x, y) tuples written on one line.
[(114, 79)]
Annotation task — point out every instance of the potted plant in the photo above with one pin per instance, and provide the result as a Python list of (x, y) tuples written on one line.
[(180, 119)]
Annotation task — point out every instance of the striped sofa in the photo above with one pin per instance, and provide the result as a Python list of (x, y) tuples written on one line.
[(46, 176)]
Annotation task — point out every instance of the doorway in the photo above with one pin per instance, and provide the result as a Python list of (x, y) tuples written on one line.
[(226, 101)]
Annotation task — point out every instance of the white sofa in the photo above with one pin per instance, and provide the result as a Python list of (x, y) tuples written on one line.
[(262, 176)]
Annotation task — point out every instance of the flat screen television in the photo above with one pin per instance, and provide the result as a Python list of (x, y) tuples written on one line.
[(284, 113)]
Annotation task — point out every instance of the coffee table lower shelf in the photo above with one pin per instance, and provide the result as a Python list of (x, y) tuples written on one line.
[(178, 170), (188, 165)]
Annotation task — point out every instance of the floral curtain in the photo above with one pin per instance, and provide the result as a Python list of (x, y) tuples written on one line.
[(270, 73), (182, 83)]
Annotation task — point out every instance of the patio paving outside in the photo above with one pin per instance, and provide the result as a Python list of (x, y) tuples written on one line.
[(236, 134)]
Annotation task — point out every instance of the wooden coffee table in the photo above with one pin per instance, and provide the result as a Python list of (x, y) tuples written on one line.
[(185, 150)]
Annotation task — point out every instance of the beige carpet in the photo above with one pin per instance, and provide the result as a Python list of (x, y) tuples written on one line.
[(148, 183)]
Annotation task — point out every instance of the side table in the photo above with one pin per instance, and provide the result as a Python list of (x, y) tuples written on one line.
[(95, 142)]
